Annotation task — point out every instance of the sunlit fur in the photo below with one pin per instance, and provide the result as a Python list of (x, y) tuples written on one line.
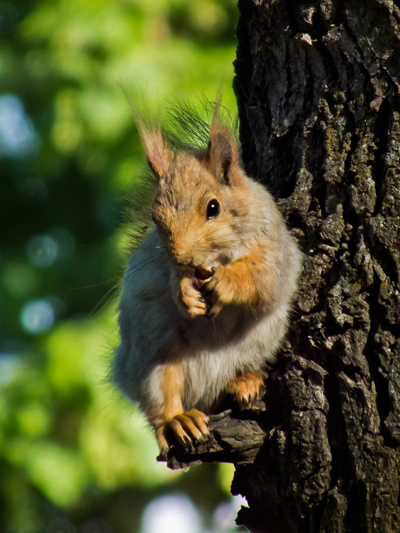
[(180, 213), (247, 242)]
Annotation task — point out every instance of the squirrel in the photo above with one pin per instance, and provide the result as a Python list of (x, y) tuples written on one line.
[(206, 298)]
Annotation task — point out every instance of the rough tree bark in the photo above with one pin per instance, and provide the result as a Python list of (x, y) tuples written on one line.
[(318, 86)]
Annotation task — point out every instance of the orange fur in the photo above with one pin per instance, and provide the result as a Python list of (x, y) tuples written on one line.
[(248, 281), (246, 388), (158, 156), (172, 389), (185, 425)]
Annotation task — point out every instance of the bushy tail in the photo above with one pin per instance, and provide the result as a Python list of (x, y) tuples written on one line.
[(188, 126)]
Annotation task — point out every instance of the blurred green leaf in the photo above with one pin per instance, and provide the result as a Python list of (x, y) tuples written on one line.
[(66, 437)]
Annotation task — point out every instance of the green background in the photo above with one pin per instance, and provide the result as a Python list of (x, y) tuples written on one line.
[(74, 456)]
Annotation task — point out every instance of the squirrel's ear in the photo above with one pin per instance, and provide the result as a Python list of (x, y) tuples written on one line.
[(223, 155), (159, 157)]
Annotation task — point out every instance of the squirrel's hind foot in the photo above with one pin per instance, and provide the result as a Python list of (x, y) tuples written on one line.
[(246, 389), (185, 428)]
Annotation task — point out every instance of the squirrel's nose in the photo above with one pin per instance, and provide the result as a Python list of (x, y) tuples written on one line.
[(181, 252), (183, 261)]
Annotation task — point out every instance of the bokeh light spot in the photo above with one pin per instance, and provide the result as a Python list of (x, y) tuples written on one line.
[(170, 514), (8, 368), (42, 250), (17, 134), (37, 316)]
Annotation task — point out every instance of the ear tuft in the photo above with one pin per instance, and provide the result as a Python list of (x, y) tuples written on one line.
[(223, 154), (159, 156)]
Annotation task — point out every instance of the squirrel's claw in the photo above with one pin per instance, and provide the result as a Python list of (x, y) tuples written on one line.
[(186, 428), (214, 310), (179, 432), (162, 443), (194, 424)]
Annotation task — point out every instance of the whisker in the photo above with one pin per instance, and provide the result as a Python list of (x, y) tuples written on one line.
[(105, 299), (106, 282)]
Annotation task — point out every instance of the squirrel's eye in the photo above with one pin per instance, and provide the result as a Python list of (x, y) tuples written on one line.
[(213, 209)]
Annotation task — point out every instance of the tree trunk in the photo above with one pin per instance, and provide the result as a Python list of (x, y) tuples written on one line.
[(318, 87)]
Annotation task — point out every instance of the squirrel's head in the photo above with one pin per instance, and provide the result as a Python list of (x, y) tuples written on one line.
[(201, 198)]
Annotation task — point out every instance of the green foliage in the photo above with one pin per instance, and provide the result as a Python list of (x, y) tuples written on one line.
[(64, 185)]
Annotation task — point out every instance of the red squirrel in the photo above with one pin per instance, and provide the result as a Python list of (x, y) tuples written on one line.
[(206, 297)]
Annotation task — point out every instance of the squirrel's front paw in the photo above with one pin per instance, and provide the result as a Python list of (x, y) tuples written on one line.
[(219, 291), (190, 301)]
